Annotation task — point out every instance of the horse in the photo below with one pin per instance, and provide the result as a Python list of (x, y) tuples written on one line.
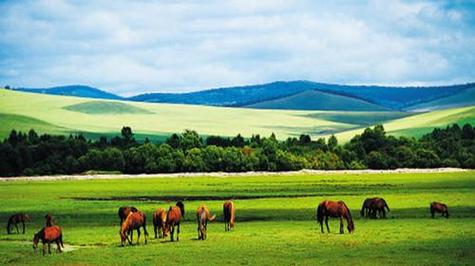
[(374, 206), (47, 235), (15, 219), (49, 220), (174, 216), (124, 211), (202, 218), (337, 209), (159, 220), (229, 215), (440, 208), (134, 221)]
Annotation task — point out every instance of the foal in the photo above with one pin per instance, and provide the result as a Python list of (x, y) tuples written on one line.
[(202, 218)]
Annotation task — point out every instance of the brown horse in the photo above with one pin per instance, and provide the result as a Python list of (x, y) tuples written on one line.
[(229, 215), (124, 211), (15, 219), (337, 209), (134, 221), (202, 218), (439, 207), (47, 235), (174, 216), (159, 220), (372, 207)]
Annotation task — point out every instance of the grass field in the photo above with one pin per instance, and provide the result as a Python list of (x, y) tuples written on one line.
[(275, 224), (65, 115)]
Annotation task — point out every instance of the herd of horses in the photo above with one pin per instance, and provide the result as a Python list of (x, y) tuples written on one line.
[(165, 222)]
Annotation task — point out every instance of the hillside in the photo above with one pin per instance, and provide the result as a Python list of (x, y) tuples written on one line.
[(275, 95), (65, 115), (318, 100), (465, 98), (73, 90)]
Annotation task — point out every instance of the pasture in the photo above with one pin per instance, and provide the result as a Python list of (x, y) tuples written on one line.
[(275, 220), (92, 117)]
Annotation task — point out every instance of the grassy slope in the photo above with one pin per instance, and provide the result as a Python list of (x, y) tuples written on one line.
[(94, 117), (317, 100), (269, 231), (465, 98), (420, 124)]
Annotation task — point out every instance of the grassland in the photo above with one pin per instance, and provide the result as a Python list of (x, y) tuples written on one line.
[(64, 115), (275, 223)]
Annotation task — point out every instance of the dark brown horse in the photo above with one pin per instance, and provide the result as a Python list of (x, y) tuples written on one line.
[(124, 211), (134, 221), (372, 207), (15, 219), (439, 207), (202, 218), (159, 220), (336, 209), (174, 216), (47, 235), (229, 215)]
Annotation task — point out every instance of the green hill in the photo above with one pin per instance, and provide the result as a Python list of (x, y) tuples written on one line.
[(65, 115), (317, 100), (465, 98)]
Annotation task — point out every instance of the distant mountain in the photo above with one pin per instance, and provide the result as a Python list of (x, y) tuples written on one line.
[(287, 95), (74, 90)]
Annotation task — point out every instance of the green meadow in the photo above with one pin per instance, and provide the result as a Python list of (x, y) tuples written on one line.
[(92, 117), (275, 220)]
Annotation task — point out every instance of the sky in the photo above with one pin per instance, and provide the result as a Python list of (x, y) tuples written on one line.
[(133, 47)]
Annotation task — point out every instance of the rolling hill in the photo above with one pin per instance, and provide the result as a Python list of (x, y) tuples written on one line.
[(96, 117), (285, 95), (73, 90)]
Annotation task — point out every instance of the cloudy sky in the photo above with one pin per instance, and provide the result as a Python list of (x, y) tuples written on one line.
[(130, 47)]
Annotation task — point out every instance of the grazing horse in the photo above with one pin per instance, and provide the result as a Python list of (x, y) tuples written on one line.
[(47, 235), (337, 209), (174, 216), (202, 218), (15, 219), (229, 215), (440, 208), (372, 207), (123, 212), (134, 221), (159, 220)]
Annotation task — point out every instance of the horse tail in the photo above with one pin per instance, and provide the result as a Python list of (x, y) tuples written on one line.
[(210, 218), (145, 224), (320, 215), (182, 208), (61, 239)]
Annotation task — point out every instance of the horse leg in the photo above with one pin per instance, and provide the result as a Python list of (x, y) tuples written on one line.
[(384, 213), (16, 226), (49, 247), (138, 235), (172, 232), (178, 232), (341, 225), (58, 245), (321, 226), (23, 222), (155, 230), (326, 223), (44, 251)]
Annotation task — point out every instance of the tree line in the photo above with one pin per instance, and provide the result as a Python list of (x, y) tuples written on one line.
[(33, 154)]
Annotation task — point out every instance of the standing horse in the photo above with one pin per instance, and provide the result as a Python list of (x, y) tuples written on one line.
[(174, 216), (47, 235), (159, 220), (229, 215), (202, 218), (439, 207), (134, 221), (336, 209), (124, 211), (15, 219), (372, 207)]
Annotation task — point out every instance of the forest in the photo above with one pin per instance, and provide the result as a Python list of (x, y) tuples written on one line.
[(30, 154)]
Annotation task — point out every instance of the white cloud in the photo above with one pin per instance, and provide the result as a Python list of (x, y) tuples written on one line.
[(130, 47)]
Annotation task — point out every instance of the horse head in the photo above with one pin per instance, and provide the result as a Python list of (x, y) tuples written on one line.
[(36, 239), (351, 226)]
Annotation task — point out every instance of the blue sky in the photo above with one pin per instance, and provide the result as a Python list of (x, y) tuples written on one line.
[(130, 47)]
